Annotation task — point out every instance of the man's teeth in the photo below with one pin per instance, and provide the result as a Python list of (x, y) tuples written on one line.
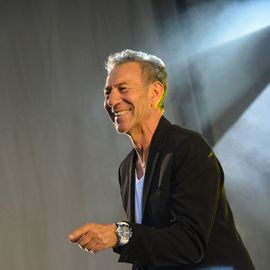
[(121, 112)]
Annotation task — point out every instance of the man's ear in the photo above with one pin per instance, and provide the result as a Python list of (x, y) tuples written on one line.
[(157, 90)]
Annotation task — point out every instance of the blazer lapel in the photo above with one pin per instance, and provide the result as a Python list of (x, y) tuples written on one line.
[(148, 179), (154, 153), (131, 187)]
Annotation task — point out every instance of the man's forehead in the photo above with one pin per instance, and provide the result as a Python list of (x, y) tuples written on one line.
[(125, 72)]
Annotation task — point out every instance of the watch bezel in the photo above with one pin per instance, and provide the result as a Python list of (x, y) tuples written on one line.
[(123, 233)]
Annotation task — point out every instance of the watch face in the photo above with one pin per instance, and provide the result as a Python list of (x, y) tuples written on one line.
[(124, 232)]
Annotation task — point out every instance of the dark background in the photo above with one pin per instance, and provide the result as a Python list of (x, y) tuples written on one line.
[(59, 153)]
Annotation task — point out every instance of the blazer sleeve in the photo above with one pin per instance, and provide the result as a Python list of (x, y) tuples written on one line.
[(196, 183)]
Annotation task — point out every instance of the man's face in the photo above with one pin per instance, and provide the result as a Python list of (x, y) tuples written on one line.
[(127, 98)]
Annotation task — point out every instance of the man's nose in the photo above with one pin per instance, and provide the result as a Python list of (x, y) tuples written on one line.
[(114, 98)]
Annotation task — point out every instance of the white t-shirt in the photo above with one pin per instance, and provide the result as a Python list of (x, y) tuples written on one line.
[(138, 198)]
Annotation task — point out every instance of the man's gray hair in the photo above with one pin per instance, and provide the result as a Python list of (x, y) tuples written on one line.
[(153, 68)]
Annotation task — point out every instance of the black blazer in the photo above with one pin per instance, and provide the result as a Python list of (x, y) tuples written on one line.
[(187, 222)]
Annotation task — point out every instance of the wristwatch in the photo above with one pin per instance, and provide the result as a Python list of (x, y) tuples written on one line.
[(123, 233)]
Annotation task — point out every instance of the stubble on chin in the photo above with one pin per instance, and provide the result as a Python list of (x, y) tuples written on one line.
[(117, 128)]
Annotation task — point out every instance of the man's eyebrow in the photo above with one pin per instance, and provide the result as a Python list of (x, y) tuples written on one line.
[(120, 84), (109, 88)]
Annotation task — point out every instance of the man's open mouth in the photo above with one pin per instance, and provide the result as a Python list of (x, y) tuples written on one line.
[(119, 113)]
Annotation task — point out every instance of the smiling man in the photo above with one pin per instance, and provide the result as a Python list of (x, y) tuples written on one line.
[(171, 183)]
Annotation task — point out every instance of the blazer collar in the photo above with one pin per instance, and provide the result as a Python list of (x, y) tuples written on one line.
[(159, 133), (154, 152)]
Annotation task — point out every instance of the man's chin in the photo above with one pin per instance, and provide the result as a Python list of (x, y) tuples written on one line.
[(120, 129)]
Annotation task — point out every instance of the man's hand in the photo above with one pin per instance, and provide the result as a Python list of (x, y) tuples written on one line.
[(94, 237)]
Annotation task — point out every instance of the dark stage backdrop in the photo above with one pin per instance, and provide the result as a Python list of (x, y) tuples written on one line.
[(59, 153)]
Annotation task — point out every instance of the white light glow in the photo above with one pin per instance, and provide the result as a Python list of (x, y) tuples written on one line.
[(240, 19)]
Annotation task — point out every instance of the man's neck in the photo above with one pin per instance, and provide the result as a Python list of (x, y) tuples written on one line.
[(141, 139)]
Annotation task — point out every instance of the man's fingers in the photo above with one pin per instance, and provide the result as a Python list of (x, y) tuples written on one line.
[(85, 240), (95, 237), (77, 234), (94, 247)]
